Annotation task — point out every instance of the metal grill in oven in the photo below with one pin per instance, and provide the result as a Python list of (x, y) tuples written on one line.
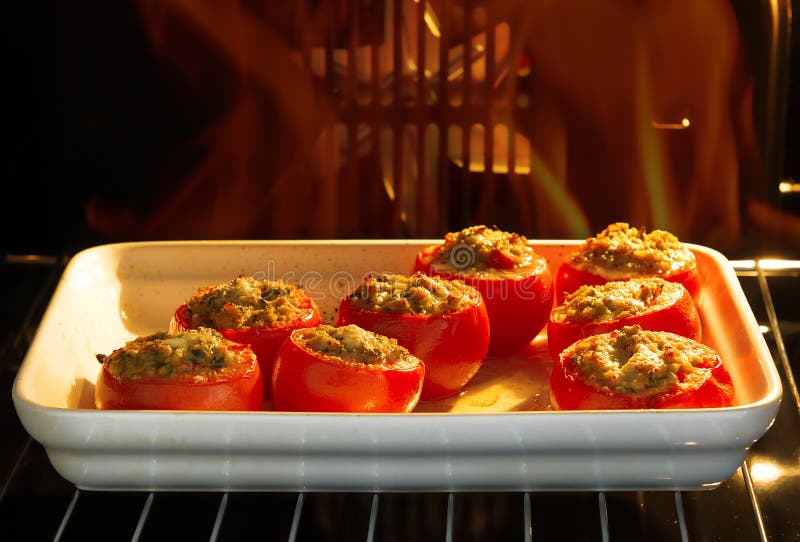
[(757, 503)]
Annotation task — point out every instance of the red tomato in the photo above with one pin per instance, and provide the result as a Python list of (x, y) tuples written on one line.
[(241, 390), (709, 385), (306, 381), (570, 278), (517, 307), (673, 311), (264, 341), (452, 346)]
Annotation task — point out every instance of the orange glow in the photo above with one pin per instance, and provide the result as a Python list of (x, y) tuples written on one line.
[(632, 112), (682, 125), (617, 87), (789, 187)]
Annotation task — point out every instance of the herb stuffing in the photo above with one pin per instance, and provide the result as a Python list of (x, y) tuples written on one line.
[(621, 250), (200, 355), (484, 251), (246, 302), (354, 344), (416, 294), (635, 361)]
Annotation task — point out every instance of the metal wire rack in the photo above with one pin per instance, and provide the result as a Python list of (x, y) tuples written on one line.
[(759, 502)]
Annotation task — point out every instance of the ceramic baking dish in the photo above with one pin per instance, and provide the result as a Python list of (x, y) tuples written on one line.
[(499, 435)]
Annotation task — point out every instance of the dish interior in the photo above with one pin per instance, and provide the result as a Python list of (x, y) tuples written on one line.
[(113, 293)]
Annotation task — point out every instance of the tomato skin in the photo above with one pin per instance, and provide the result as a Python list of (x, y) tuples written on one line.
[(304, 382), (452, 346), (570, 278), (518, 308), (679, 317), (711, 387), (244, 391), (264, 341)]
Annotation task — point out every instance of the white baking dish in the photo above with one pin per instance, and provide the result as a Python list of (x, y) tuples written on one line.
[(500, 435)]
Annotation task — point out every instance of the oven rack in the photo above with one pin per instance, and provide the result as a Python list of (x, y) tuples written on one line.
[(759, 502)]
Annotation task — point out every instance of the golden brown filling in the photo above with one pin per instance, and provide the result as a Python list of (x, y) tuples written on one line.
[(355, 345), (616, 299), (199, 355), (415, 294), (622, 251), (246, 302), (634, 361), (481, 251)]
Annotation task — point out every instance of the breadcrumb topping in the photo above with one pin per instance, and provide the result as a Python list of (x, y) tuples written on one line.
[(616, 299), (416, 294), (200, 355), (485, 251), (622, 251), (634, 361), (246, 302), (355, 345)]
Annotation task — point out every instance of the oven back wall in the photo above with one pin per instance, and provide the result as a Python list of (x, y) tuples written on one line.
[(144, 121)]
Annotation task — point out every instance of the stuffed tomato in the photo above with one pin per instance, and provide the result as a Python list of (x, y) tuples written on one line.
[(632, 368), (442, 322), (512, 278), (192, 370), (258, 313), (345, 369), (653, 303), (621, 252)]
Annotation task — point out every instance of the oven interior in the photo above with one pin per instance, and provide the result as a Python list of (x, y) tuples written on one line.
[(380, 118), (405, 119)]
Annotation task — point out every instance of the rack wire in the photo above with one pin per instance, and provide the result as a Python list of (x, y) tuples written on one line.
[(758, 503)]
